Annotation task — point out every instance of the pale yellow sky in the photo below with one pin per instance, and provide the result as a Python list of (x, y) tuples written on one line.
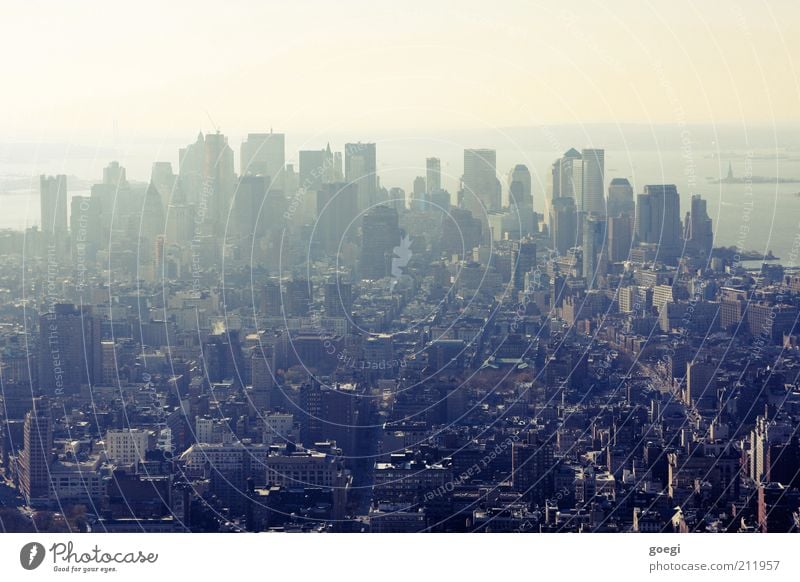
[(73, 68)]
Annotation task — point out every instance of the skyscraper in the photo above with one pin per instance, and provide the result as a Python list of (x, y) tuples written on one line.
[(53, 204), (360, 169), (338, 298), (519, 187), (699, 232), (433, 175), (620, 197), (218, 183), (564, 224), (594, 236), (312, 169), (619, 237), (480, 186), (337, 208), (567, 176), (658, 219), (67, 346), (593, 197), (380, 234), (34, 460), (264, 154)]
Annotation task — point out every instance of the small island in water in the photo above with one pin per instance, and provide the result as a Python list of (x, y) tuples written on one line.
[(731, 179)]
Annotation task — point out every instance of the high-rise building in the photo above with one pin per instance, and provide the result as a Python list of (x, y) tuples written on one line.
[(619, 237), (298, 297), (219, 176), (594, 237), (519, 187), (593, 195), (337, 209), (461, 232), (252, 212), (338, 298), (380, 234), (34, 459), (564, 224), (191, 170), (53, 204), (523, 257), (701, 389), (566, 178), (264, 154), (658, 220), (312, 170), (533, 470), (433, 175), (166, 182), (67, 349), (480, 188), (360, 169), (620, 197), (699, 232), (419, 188)]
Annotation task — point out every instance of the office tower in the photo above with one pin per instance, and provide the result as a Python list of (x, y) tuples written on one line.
[(313, 165), (594, 237), (533, 470), (593, 195), (180, 223), (66, 349), (419, 188), (658, 219), (433, 175), (53, 204), (262, 375), (380, 234), (255, 208), (191, 170), (338, 298), (360, 169), (218, 183), (397, 199), (337, 209), (152, 211), (85, 229), (272, 300), (166, 182), (699, 233), (298, 297), (620, 197), (479, 185), (114, 175), (566, 179), (523, 257), (461, 232), (701, 390), (222, 356), (264, 154), (620, 237), (519, 187), (564, 224), (34, 459)]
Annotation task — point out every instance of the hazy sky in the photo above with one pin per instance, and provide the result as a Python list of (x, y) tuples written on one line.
[(74, 68)]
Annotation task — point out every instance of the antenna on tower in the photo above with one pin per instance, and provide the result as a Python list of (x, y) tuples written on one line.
[(214, 125)]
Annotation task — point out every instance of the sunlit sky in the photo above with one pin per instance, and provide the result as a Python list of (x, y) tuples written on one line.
[(72, 68)]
